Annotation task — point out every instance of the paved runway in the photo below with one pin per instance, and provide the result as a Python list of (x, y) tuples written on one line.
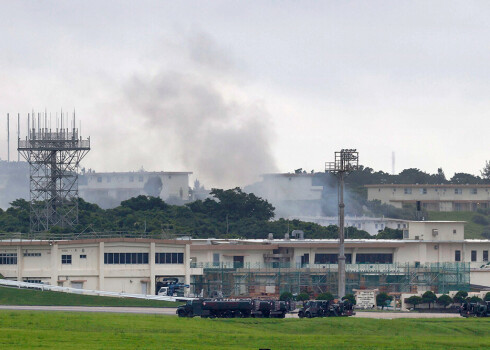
[(171, 311)]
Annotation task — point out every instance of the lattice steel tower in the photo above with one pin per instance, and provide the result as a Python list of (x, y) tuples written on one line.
[(54, 157)]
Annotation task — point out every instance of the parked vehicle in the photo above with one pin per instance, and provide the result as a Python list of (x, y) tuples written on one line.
[(326, 308)]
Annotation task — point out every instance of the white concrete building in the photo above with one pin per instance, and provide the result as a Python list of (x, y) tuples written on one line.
[(365, 223), (109, 189), (432, 255), (433, 197)]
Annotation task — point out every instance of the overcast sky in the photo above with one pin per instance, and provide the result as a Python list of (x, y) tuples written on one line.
[(232, 89)]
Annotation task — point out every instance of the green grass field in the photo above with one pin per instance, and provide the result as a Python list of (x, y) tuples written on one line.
[(14, 296), (27, 329), (471, 229)]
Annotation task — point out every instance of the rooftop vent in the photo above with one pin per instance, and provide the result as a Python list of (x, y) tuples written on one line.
[(298, 234), (270, 236)]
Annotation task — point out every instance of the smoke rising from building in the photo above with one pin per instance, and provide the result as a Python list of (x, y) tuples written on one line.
[(224, 139)]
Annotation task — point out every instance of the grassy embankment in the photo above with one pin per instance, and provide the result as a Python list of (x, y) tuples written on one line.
[(471, 229), (13, 296), (28, 329)]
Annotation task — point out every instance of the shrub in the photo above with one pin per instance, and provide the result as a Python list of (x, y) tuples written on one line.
[(414, 300), (382, 299), (352, 298), (302, 297), (429, 298), (444, 300), (460, 296), (487, 296), (474, 299), (325, 296), (285, 296), (480, 220)]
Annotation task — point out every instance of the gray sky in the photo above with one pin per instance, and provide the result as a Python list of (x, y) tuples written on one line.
[(231, 89)]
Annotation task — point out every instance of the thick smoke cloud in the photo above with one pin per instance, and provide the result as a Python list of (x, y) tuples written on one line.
[(224, 140)]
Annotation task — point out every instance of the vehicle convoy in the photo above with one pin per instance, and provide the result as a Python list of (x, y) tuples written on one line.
[(479, 309), (233, 308), (326, 308)]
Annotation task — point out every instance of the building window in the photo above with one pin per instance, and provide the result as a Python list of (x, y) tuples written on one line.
[(83, 256), (485, 255), (169, 258), (125, 258), (331, 258), (405, 234), (458, 191), (380, 258), (404, 225), (66, 259), (407, 190), (131, 179), (108, 179), (140, 178), (215, 259), (454, 231), (99, 179), (474, 191), (457, 255), (423, 191), (32, 254), (8, 259), (398, 226), (473, 255), (376, 226)]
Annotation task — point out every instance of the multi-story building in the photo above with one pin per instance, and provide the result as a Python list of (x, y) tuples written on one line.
[(109, 189), (433, 197), (432, 255)]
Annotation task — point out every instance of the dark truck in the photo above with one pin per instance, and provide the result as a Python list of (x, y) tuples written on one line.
[(233, 308), (479, 309), (326, 308)]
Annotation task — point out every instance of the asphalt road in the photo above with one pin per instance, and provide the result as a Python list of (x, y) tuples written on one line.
[(171, 311)]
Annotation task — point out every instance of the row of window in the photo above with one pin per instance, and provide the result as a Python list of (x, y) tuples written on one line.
[(424, 190), (32, 254), (366, 258), (109, 179), (125, 258), (8, 258), (169, 258), (474, 255)]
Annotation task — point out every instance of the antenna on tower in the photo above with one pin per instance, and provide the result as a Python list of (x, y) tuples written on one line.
[(393, 163), (8, 137)]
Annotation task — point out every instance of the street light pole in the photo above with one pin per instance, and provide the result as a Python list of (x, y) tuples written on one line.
[(346, 161)]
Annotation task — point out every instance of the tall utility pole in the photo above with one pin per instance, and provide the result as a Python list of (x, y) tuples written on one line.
[(346, 161)]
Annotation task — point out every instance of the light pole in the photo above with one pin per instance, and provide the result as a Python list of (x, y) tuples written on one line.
[(346, 161)]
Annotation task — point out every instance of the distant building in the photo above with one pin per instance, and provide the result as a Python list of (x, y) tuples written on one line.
[(433, 197), (292, 194), (14, 182), (109, 189), (368, 224)]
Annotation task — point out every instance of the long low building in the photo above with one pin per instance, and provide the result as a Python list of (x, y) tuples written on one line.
[(433, 255)]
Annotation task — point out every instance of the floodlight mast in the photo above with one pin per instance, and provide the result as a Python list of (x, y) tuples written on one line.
[(346, 161)]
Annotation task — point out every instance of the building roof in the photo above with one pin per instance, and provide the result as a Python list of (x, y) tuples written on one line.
[(139, 173)]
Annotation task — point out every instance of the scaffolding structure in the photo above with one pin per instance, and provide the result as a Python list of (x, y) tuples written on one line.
[(269, 280), (53, 157)]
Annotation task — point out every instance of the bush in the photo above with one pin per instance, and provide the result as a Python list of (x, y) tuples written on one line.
[(325, 296), (480, 220), (429, 298), (351, 298), (444, 300), (285, 296), (414, 300), (487, 296), (382, 299), (460, 296), (474, 299), (302, 297)]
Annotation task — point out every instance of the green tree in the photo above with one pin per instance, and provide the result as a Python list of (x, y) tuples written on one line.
[(390, 233), (302, 297), (325, 296), (460, 296), (474, 299), (485, 173), (429, 298), (487, 297), (350, 297), (414, 300), (382, 299), (444, 300), (285, 296)]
